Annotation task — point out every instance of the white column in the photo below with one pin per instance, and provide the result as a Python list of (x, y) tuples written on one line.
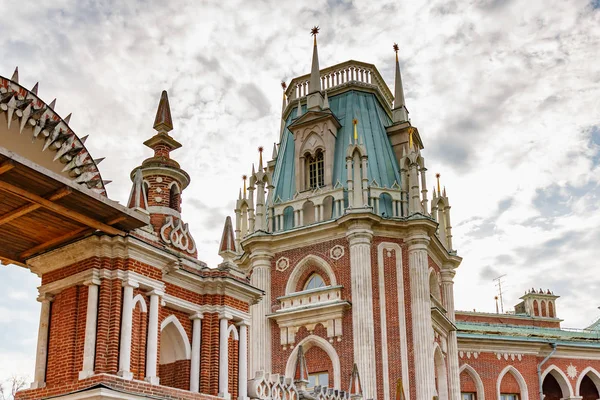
[(126, 324), (195, 362), (359, 238), (421, 315), (453, 374), (243, 362), (152, 338), (260, 328), (224, 356), (41, 356), (91, 319)]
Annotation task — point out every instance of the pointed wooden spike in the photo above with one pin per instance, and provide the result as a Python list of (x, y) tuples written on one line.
[(163, 120), (106, 182), (68, 118), (99, 160), (84, 138), (35, 88), (52, 104), (15, 75)]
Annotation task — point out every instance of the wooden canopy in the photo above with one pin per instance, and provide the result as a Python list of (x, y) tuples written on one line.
[(41, 210)]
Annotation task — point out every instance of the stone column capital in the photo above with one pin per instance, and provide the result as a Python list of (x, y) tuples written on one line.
[(447, 276), (155, 292), (243, 323), (225, 315), (130, 283), (45, 298), (197, 315), (92, 281), (418, 241)]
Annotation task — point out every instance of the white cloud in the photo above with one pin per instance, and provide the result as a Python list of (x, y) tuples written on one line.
[(505, 95)]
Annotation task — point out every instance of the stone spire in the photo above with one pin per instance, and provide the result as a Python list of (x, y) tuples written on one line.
[(315, 97), (163, 121), (138, 198), (355, 389), (399, 113), (283, 106), (227, 248)]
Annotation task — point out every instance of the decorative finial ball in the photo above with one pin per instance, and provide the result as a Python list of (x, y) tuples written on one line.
[(244, 177), (438, 175), (283, 85), (396, 48), (355, 121), (314, 31), (260, 149)]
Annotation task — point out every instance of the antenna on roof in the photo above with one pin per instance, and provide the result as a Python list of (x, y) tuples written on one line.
[(498, 281)]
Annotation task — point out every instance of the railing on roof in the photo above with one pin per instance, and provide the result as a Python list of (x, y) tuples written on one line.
[(532, 330), (346, 73)]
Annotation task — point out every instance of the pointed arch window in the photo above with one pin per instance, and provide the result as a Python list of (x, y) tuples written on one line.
[(314, 282), (316, 173)]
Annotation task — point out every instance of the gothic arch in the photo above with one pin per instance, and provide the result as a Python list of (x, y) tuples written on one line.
[(476, 378), (561, 378), (594, 376), (140, 299), (434, 285), (303, 266), (174, 341), (311, 149), (307, 343), (441, 373), (524, 395), (232, 331)]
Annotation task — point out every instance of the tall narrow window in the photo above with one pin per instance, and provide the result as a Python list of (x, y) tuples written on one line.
[(315, 170)]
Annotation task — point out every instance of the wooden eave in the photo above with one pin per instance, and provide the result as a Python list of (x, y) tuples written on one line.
[(41, 210)]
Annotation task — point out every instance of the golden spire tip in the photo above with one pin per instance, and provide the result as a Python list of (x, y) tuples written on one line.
[(355, 123), (437, 176)]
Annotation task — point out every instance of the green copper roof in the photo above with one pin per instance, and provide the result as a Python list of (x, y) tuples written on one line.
[(373, 120)]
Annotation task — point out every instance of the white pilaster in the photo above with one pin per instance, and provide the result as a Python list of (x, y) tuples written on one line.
[(243, 362), (152, 338), (359, 238), (224, 356), (126, 324), (421, 315), (453, 368), (260, 328), (41, 356), (195, 362), (91, 319)]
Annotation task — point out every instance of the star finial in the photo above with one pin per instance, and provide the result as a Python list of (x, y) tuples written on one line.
[(396, 49), (437, 176), (283, 85), (314, 32)]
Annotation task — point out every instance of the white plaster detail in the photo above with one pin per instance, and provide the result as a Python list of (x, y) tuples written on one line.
[(179, 235), (159, 179), (195, 361), (158, 199), (519, 378), (232, 331), (142, 302), (179, 348), (476, 378), (572, 371), (337, 252), (307, 343), (282, 264), (158, 190)]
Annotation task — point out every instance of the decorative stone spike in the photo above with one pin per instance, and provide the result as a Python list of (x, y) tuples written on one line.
[(52, 104), (68, 119), (98, 160), (15, 75), (163, 120), (138, 197), (84, 138), (106, 182), (227, 248), (35, 88)]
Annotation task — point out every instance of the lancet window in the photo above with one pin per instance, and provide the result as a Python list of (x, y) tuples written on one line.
[(316, 168)]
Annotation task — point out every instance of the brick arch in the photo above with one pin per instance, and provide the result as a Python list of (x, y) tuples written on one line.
[(561, 378), (308, 263), (307, 343), (470, 371), (592, 374), (524, 394)]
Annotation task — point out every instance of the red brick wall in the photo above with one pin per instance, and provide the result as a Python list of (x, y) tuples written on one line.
[(467, 384), (66, 337), (233, 352), (175, 374), (108, 328), (209, 358), (317, 360), (138, 339)]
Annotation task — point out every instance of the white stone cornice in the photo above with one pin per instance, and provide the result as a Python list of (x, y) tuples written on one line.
[(196, 310)]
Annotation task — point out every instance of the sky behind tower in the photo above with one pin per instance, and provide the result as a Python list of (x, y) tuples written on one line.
[(506, 96)]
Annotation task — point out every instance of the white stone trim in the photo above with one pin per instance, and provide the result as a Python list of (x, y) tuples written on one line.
[(139, 299), (594, 376), (232, 331), (302, 266), (172, 319), (561, 378), (101, 394), (441, 371), (519, 378), (476, 378), (307, 343)]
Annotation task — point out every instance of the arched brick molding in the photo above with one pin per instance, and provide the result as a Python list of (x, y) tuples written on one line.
[(524, 395), (466, 368), (307, 343), (306, 263), (561, 378), (592, 374)]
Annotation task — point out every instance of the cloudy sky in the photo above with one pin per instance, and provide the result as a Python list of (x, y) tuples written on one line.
[(506, 96)]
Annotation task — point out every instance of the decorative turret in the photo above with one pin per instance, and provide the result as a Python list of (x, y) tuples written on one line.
[(440, 211), (315, 96), (356, 168), (413, 177), (538, 303), (161, 181)]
